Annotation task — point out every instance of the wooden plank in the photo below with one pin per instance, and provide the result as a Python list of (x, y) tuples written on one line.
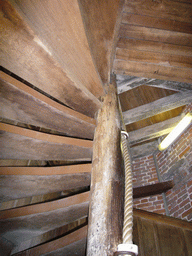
[(56, 244), (148, 244), (133, 82), (156, 22), (54, 170), (77, 248), (188, 240), (24, 54), (21, 103), (163, 9), (144, 149), (101, 20), (163, 219), (41, 226), (154, 58), (60, 27), (171, 240), (135, 68), (159, 106), (106, 206), (146, 45), (153, 131), (20, 143), (45, 207), (157, 35), (25, 186), (153, 189)]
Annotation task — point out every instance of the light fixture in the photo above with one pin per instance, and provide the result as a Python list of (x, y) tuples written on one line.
[(174, 134)]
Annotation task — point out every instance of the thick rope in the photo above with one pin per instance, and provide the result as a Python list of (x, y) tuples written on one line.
[(128, 208)]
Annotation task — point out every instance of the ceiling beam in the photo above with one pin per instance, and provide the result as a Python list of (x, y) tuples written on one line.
[(144, 149), (153, 131), (157, 107), (133, 82)]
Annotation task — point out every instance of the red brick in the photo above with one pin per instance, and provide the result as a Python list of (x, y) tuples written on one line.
[(184, 152), (184, 202), (186, 213)]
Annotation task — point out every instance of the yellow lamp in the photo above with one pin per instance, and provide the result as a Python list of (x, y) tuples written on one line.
[(174, 134)]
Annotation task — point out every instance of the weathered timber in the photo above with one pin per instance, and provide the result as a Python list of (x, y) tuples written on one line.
[(136, 68), (76, 248), (107, 189), (20, 186), (45, 207), (144, 149), (20, 143), (157, 234), (159, 106), (56, 244), (151, 190), (131, 82), (141, 45), (54, 170), (172, 10), (101, 19), (21, 103), (40, 224), (154, 58), (160, 218), (60, 28), (24, 54), (156, 22), (153, 131), (153, 34)]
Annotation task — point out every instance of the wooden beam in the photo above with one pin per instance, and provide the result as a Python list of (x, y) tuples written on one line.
[(20, 143), (54, 170), (66, 40), (157, 35), (160, 218), (154, 58), (144, 149), (159, 106), (106, 206), (151, 190), (13, 187), (141, 45), (133, 82), (165, 9), (136, 68), (130, 83), (45, 207), (32, 59), (153, 131), (21, 103), (32, 230), (156, 22), (56, 244), (101, 19)]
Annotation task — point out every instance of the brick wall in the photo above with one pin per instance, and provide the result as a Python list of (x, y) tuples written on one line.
[(174, 163), (144, 173)]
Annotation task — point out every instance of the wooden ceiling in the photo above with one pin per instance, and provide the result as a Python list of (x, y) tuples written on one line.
[(153, 63)]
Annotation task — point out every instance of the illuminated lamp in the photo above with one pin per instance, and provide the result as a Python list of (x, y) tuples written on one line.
[(176, 132)]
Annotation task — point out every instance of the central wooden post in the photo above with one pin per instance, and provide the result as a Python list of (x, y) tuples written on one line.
[(107, 181)]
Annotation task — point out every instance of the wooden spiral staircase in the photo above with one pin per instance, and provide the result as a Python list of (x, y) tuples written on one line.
[(52, 76)]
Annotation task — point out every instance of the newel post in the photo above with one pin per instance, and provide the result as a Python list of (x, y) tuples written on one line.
[(107, 182)]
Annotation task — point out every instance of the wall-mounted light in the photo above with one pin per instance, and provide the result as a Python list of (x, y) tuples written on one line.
[(174, 134)]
